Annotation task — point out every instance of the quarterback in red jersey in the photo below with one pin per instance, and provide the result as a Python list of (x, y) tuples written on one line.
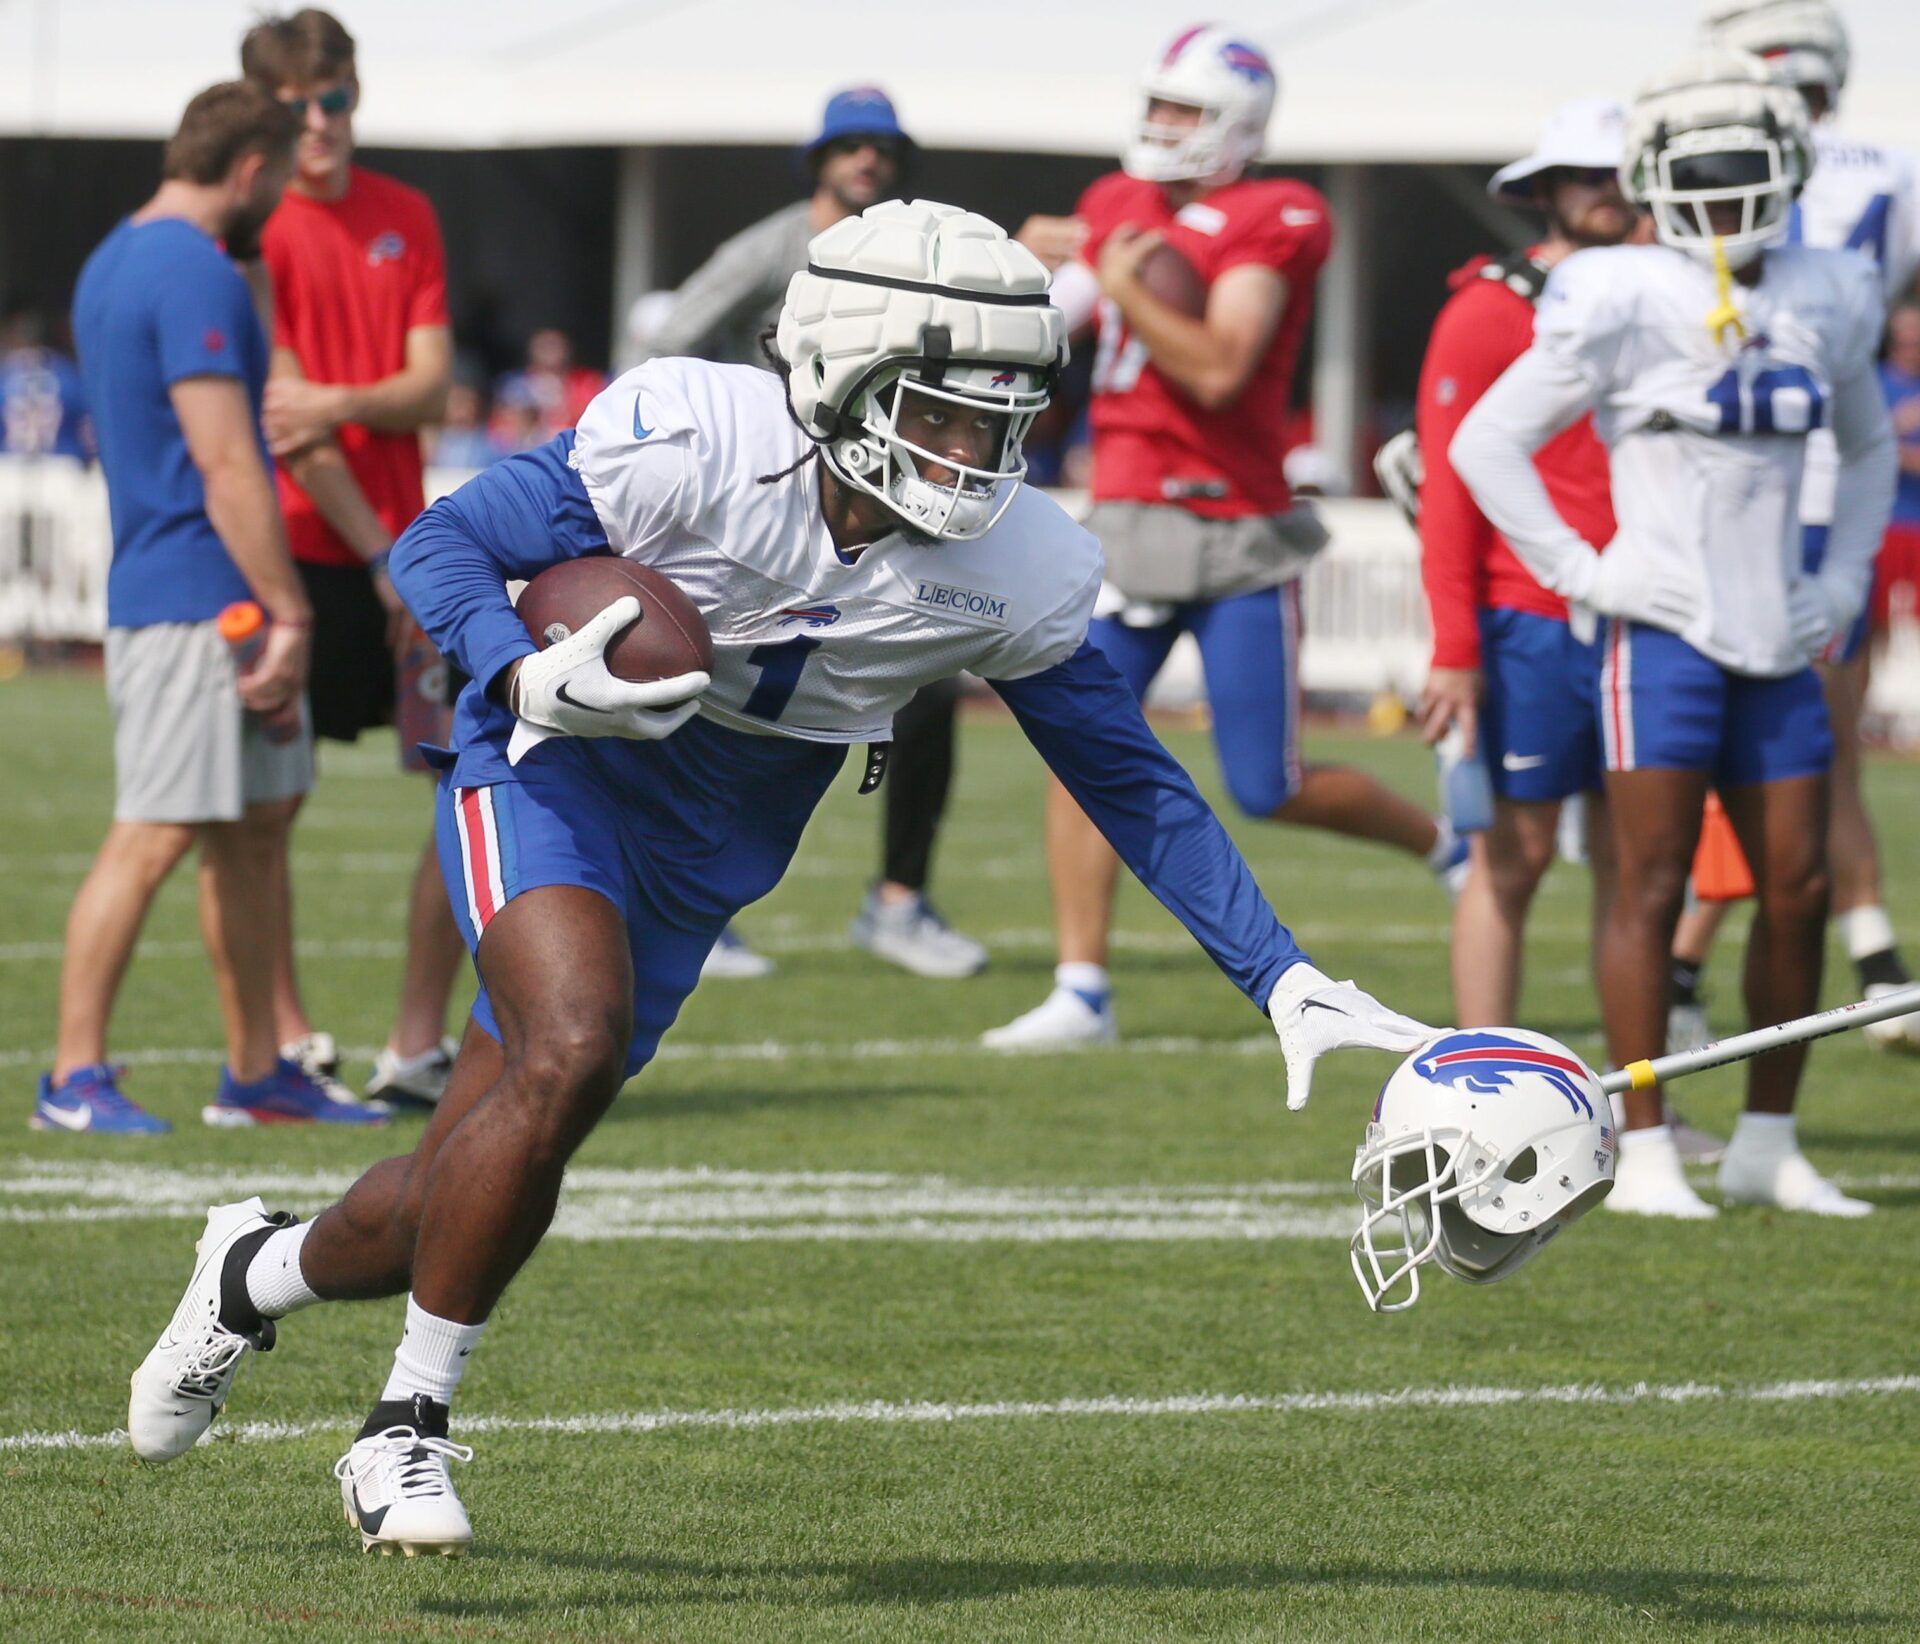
[(362, 360), (1506, 669), (1190, 503)]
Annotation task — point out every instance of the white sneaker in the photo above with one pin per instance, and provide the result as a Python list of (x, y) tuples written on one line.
[(1648, 1181), (318, 1057), (1896, 1032), (1787, 1181), (1064, 1020), (731, 960), (1687, 1028), (398, 1495), (913, 936), (412, 1081), (182, 1384)]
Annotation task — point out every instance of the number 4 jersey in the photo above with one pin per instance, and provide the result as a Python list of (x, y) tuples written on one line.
[(1706, 433), (676, 458)]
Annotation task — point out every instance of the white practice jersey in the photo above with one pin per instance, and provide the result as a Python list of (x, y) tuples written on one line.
[(1865, 198), (806, 643), (1706, 437)]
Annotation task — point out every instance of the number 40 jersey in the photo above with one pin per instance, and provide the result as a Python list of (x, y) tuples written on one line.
[(1707, 434)]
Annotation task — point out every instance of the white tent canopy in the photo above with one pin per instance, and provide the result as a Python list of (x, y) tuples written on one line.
[(1361, 80)]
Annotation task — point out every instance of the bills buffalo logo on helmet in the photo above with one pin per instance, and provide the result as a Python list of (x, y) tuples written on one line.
[(1005, 379), (1485, 1064), (809, 616), (1246, 60)]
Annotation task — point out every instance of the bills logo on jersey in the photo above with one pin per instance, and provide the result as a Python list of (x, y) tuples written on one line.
[(389, 247), (809, 616), (1485, 1064)]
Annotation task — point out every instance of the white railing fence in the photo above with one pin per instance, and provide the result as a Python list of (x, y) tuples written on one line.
[(1365, 616)]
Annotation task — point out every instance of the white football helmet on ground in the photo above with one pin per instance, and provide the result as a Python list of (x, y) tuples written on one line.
[(908, 305), (1482, 1147), (1718, 149), (1230, 81), (1804, 42)]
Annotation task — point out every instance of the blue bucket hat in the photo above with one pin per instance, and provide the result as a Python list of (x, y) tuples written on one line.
[(860, 111)]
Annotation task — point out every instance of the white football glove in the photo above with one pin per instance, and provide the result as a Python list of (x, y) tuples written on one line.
[(1401, 471), (1314, 1014), (1658, 594), (568, 689)]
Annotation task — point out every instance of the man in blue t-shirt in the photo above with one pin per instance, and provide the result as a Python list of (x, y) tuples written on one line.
[(210, 744), (43, 411)]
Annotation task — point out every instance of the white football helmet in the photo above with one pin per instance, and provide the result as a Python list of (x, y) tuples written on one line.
[(1231, 82), (1482, 1147), (1717, 136), (1804, 42), (915, 311)]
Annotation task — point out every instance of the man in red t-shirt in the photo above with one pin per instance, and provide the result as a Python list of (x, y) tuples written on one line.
[(1507, 670), (1201, 533), (362, 362)]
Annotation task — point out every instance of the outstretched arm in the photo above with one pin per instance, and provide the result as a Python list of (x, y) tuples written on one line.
[(1085, 723)]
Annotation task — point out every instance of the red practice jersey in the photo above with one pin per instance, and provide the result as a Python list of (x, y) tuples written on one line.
[(351, 277), (1466, 564), (1151, 443)]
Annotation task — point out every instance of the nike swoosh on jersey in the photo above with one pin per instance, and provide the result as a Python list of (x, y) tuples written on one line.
[(79, 1118), (574, 702), (640, 430), (1522, 762)]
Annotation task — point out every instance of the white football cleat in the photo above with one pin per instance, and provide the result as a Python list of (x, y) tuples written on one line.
[(912, 935), (1064, 1020), (1896, 1032), (1786, 1181), (731, 960), (1648, 1181), (182, 1384), (399, 1496)]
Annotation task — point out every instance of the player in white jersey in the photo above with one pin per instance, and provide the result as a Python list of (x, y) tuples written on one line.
[(1861, 197), (1706, 359), (596, 834)]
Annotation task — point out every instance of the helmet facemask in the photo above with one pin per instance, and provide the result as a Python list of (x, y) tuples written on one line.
[(896, 455), (1402, 1186), (1728, 187), (1217, 145)]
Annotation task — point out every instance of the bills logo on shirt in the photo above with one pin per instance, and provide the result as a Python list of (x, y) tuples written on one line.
[(389, 247), (214, 340)]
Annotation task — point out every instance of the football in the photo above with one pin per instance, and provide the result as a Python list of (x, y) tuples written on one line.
[(669, 639), (1169, 276)]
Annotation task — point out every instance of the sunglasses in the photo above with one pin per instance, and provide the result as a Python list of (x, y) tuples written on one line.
[(335, 100), (1588, 176), (885, 147)]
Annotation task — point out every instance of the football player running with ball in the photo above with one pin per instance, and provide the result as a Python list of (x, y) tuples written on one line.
[(1202, 534), (593, 853), (1707, 360)]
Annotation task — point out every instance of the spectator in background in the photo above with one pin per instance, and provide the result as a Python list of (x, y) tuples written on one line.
[(554, 387), (362, 359), (860, 156), (1900, 382), (43, 409), (462, 440), (175, 360)]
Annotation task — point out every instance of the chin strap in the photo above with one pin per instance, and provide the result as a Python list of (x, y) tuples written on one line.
[(1724, 315)]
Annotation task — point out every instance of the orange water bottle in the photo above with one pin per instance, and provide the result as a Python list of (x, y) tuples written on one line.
[(243, 625)]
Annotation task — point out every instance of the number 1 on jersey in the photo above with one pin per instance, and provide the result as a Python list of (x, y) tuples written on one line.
[(780, 667)]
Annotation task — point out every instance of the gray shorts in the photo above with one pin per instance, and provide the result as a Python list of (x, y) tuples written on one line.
[(1163, 553), (184, 750)]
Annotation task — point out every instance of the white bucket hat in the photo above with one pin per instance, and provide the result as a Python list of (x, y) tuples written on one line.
[(1585, 134)]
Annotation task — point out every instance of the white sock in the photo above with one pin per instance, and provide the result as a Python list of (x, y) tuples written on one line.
[(275, 1284), (1654, 1139), (432, 1356), (1083, 978), (1764, 1133), (1444, 844), (1866, 931)]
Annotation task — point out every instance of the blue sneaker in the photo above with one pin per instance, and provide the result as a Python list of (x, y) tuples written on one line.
[(287, 1096), (89, 1098)]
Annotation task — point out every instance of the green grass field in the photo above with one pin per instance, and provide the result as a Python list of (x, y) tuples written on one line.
[(848, 1330)]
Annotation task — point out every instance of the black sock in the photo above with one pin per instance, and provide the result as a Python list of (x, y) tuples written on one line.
[(1882, 969), (237, 1311), (427, 1417), (1686, 981)]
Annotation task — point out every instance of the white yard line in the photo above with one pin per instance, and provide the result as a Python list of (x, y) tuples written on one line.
[(888, 1413)]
